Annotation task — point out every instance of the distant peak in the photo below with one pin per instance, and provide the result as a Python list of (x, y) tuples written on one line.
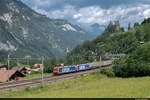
[(95, 25)]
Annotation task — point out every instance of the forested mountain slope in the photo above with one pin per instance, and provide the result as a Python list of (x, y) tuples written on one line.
[(113, 41)]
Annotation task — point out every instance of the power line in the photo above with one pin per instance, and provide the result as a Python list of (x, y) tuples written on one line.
[(8, 67), (42, 71)]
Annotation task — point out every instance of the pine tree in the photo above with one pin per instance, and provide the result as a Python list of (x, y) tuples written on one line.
[(129, 26)]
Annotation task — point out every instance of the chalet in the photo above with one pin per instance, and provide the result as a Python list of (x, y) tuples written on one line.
[(3, 67), (141, 42), (37, 66), (13, 75)]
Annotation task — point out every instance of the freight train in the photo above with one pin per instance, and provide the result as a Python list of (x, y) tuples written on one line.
[(80, 67)]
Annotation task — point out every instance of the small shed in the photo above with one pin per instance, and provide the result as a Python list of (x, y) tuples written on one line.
[(13, 75)]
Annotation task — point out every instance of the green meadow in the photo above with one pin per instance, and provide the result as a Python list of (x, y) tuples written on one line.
[(38, 75), (94, 85)]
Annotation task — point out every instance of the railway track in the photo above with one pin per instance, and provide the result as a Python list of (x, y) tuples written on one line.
[(47, 80), (37, 81)]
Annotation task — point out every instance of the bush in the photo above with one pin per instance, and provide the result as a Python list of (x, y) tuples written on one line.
[(107, 71), (27, 89), (131, 68), (135, 65), (120, 67)]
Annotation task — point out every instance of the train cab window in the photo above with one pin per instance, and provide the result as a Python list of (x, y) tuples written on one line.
[(55, 69)]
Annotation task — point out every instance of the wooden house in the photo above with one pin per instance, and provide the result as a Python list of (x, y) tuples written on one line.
[(3, 67), (11, 75)]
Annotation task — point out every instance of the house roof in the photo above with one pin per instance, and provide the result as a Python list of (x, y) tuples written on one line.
[(19, 68), (37, 65), (35, 70), (3, 66), (4, 74), (141, 42), (28, 68)]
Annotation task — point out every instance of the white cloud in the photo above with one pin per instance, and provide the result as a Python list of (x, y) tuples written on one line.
[(147, 13), (77, 16), (95, 14), (41, 11), (68, 11)]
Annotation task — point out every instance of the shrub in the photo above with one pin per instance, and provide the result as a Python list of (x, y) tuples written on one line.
[(27, 89), (107, 71), (135, 65), (131, 68)]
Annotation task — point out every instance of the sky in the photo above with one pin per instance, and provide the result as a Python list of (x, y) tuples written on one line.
[(93, 11)]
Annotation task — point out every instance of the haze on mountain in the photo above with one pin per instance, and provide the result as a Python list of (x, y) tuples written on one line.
[(94, 29)]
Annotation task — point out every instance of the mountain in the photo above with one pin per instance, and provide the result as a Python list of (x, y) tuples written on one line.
[(26, 32), (114, 40), (94, 29)]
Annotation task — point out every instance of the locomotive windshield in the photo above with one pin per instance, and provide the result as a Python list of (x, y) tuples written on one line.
[(55, 69)]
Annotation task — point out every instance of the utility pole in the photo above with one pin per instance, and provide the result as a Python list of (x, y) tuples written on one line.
[(8, 67), (28, 57), (100, 58), (17, 61), (28, 61), (42, 71), (75, 60), (72, 61)]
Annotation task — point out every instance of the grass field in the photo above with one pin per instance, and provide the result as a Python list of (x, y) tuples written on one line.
[(91, 86), (37, 75)]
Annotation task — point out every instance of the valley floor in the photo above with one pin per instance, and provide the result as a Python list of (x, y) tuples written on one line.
[(91, 86)]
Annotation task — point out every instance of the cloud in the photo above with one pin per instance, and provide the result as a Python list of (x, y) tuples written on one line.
[(146, 13), (58, 4), (67, 12), (93, 11), (96, 14)]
